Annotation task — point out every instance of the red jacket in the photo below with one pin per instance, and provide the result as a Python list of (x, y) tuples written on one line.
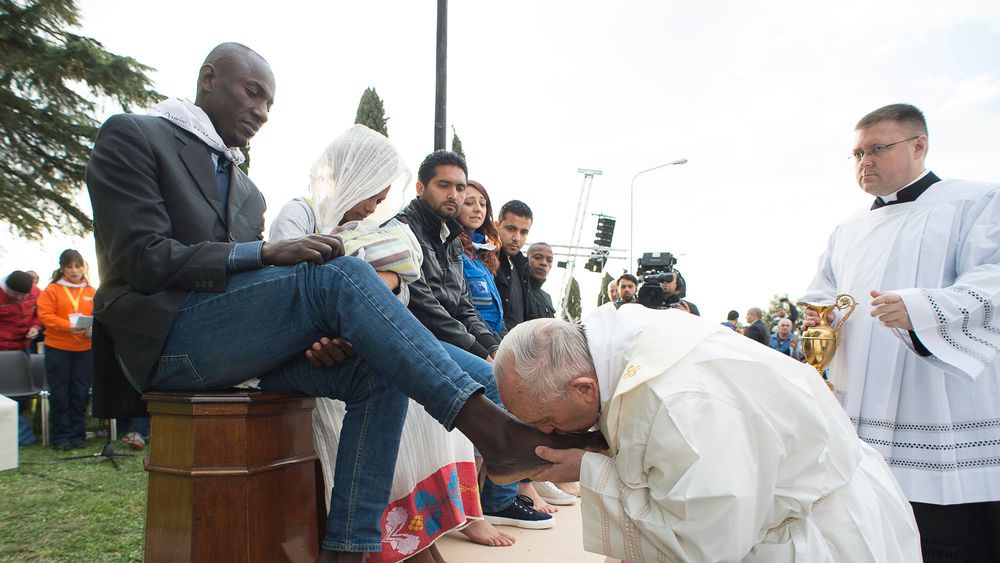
[(16, 319)]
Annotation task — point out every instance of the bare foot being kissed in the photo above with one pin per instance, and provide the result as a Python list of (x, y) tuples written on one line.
[(484, 533)]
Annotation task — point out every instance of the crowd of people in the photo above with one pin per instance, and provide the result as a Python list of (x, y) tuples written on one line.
[(480, 287), (56, 323), (782, 333), (407, 324)]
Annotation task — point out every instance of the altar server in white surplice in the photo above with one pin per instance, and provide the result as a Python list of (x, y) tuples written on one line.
[(917, 368), (720, 449)]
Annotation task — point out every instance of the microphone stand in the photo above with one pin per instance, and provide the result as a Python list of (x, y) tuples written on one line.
[(107, 452)]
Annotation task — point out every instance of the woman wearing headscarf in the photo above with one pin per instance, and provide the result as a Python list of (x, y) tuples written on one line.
[(65, 308), (434, 488)]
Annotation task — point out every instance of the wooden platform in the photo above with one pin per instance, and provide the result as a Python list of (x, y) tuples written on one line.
[(232, 477)]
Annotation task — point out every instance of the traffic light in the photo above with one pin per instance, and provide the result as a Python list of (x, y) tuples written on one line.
[(605, 231), (596, 263), (602, 240)]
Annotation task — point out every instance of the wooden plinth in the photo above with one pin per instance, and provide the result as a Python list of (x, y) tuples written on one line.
[(232, 478)]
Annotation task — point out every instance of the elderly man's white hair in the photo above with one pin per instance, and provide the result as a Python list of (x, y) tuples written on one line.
[(547, 354)]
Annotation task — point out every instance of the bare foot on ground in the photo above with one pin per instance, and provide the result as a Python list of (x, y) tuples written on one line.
[(529, 491), (483, 533)]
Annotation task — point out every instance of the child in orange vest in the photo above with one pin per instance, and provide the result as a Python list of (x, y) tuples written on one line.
[(64, 308)]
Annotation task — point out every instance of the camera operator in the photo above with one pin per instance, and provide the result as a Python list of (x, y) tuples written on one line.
[(674, 292), (663, 287)]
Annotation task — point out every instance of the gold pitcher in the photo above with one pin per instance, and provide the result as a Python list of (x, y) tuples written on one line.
[(820, 342)]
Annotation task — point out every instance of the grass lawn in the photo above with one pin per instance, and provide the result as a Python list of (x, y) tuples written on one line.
[(79, 510)]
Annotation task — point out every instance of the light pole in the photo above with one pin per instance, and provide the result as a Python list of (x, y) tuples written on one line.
[(631, 205)]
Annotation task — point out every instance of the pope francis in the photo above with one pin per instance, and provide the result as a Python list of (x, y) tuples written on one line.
[(720, 449)]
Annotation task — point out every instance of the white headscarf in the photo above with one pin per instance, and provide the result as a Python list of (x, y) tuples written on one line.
[(357, 165)]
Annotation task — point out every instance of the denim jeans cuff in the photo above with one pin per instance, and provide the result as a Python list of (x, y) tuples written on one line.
[(457, 403)]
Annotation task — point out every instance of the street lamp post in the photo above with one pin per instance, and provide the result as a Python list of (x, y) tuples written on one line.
[(631, 203)]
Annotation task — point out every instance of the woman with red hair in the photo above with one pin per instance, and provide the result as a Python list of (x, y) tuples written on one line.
[(481, 241)]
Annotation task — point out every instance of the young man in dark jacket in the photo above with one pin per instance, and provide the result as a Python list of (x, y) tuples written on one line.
[(440, 298), (512, 276), (540, 259)]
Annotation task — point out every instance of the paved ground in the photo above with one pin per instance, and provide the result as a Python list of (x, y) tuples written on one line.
[(561, 544)]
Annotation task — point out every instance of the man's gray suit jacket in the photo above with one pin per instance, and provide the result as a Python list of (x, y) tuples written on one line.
[(161, 230)]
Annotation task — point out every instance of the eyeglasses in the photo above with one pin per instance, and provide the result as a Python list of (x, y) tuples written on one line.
[(877, 150)]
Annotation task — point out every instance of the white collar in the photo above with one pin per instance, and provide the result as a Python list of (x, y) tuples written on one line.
[(194, 120), (894, 195)]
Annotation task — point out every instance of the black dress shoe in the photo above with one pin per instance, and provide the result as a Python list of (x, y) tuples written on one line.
[(77, 445), (61, 447)]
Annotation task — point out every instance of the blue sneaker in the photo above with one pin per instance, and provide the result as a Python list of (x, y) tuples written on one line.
[(521, 513)]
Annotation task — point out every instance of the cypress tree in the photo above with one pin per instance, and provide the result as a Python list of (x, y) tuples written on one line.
[(371, 112), (456, 143), (573, 311), (602, 293), (50, 82)]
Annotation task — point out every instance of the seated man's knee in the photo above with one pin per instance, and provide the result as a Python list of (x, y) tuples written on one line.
[(345, 267)]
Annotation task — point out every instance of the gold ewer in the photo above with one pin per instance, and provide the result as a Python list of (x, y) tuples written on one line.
[(820, 342)]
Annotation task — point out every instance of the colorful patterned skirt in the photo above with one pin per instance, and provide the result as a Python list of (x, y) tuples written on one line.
[(434, 488)]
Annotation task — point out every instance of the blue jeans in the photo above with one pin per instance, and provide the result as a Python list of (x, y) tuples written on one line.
[(493, 497), (69, 375), (261, 326)]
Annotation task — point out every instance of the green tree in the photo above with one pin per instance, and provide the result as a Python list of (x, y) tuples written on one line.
[(602, 293), (573, 310), (371, 112), (456, 143), (50, 82)]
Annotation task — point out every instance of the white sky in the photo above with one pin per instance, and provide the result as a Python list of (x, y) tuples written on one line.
[(761, 97)]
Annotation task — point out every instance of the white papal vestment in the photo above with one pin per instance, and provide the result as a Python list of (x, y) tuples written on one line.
[(936, 419), (724, 450)]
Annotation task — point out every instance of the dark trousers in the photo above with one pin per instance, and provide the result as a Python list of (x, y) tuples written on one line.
[(69, 375), (959, 532)]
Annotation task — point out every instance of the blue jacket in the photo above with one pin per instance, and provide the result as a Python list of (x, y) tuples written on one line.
[(483, 291), (783, 346)]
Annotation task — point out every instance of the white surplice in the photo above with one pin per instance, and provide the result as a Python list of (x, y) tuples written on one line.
[(935, 419), (725, 450)]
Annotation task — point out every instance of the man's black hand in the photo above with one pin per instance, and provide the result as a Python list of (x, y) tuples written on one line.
[(313, 248), (329, 351)]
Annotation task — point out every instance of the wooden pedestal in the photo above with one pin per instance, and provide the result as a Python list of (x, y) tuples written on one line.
[(232, 478)]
